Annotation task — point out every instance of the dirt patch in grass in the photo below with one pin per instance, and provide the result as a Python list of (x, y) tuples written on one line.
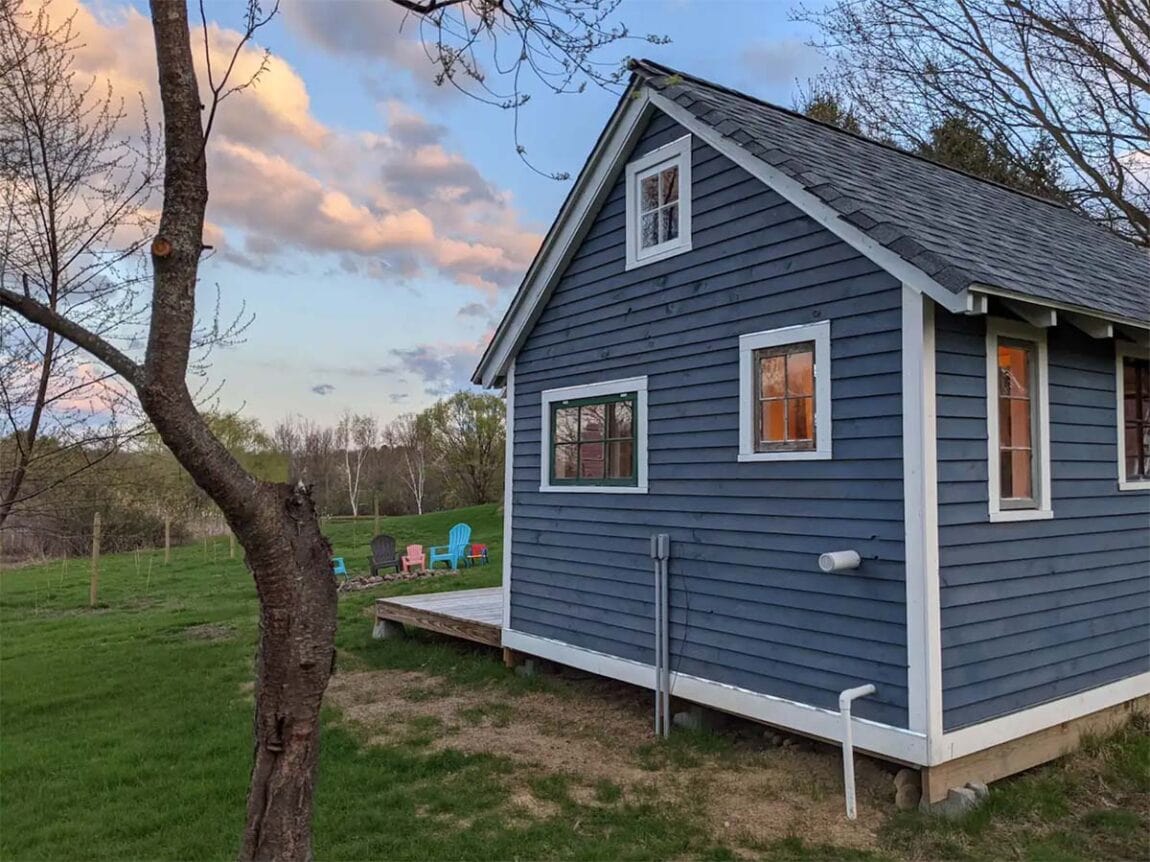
[(210, 632), (595, 735)]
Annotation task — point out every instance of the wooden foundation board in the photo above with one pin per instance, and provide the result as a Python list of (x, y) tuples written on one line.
[(1018, 755), (474, 615)]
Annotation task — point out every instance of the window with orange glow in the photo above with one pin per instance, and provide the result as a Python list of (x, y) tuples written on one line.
[(1016, 423), (785, 398)]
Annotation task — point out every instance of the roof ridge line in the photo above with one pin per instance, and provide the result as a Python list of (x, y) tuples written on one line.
[(644, 65)]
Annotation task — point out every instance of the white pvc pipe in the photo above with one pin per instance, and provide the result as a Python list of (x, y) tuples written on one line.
[(839, 561), (845, 699)]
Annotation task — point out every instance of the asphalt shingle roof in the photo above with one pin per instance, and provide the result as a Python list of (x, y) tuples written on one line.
[(958, 229)]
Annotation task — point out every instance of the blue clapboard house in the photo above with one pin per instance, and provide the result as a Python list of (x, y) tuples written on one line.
[(774, 340)]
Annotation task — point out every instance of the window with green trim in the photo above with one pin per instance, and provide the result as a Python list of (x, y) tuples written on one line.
[(593, 441)]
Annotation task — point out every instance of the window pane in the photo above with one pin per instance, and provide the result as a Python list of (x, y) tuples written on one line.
[(591, 422), (771, 371), (801, 373), (649, 193), (669, 180), (649, 230), (1133, 451), (669, 222), (619, 418), (800, 419), (620, 460), (773, 419), (1013, 370), (591, 464), (566, 457), (1018, 423), (1016, 475), (566, 424)]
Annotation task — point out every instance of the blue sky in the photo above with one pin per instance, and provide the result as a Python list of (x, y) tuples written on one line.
[(375, 225)]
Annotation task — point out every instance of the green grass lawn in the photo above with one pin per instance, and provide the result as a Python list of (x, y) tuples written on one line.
[(125, 734)]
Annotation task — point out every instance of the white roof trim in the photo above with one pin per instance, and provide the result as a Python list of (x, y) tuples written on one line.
[(989, 290), (593, 185)]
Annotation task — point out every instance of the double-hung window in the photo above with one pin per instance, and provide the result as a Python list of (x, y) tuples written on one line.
[(1018, 419), (659, 203), (594, 437), (1133, 419), (785, 393)]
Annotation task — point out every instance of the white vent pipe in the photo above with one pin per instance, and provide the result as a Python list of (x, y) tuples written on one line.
[(846, 698), (839, 561)]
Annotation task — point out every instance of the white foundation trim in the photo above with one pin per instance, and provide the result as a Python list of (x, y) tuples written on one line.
[(508, 490), (920, 479), (891, 742), (968, 740)]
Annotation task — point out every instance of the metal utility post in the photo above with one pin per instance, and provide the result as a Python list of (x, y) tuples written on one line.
[(661, 554)]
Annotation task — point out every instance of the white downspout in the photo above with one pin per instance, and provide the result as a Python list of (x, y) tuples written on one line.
[(846, 697)]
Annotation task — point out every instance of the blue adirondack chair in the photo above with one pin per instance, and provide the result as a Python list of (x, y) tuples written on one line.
[(454, 551), (337, 567)]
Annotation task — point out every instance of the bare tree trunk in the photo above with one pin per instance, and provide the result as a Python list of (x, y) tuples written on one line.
[(275, 523), (24, 451)]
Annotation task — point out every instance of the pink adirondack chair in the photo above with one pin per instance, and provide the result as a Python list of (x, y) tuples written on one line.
[(413, 558)]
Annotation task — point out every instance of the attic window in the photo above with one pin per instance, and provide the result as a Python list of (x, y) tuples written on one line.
[(659, 203)]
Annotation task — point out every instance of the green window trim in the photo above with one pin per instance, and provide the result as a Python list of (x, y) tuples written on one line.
[(606, 441)]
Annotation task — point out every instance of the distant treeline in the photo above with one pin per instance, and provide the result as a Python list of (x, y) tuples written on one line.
[(449, 455)]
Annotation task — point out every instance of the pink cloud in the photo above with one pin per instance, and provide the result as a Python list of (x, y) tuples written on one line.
[(291, 183)]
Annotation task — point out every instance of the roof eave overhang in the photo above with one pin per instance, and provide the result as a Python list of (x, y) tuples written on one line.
[(1099, 324)]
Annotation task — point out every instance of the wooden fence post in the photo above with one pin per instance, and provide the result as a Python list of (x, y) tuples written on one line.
[(94, 582), (231, 545), (375, 511), (167, 539)]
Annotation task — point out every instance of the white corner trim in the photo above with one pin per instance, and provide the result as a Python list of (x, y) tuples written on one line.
[(1121, 351), (821, 212), (976, 737), (820, 334), (998, 328), (508, 490), (677, 152), (637, 385), (920, 480), (567, 232), (895, 743)]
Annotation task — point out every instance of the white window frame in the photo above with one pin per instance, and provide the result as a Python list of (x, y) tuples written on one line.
[(996, 329), (820, 334), (677, 152), (638, 385), (1121, 351)]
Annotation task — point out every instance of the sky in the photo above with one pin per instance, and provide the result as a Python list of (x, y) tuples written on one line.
[(374, 225)]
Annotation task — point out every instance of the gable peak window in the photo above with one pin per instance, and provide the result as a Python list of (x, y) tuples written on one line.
[(1018, 422), (1133, 420), (659, 203), (785, 393)]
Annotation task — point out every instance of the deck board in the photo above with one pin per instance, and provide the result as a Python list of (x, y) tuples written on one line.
[(475, 615)]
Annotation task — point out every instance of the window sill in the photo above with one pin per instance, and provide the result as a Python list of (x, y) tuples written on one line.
[(1021, 515), (592, 489), (800, 455), (1134, 484), (658, 254)]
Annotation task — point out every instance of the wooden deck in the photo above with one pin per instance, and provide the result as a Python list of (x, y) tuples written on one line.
[(474, 615)]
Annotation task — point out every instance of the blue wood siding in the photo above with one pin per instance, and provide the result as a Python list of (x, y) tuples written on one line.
[(1037, 610), (749, 606)]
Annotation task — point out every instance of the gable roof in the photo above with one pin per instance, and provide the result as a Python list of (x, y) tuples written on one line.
[(959, 229), (938, 229)]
